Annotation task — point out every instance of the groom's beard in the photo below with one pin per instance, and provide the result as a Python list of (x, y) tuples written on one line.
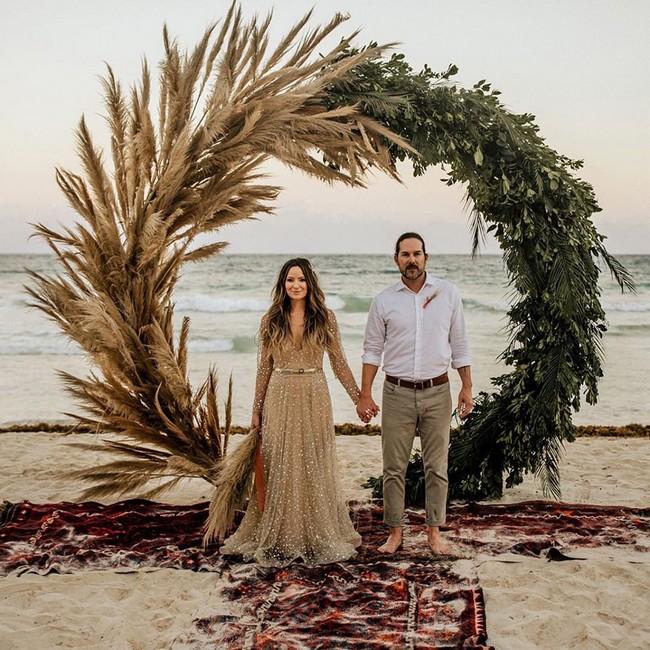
[(412, 272)]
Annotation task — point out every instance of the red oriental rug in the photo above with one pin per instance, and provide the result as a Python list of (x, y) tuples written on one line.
[(134, 534), (410, 600), (369, 603), (356, 606)]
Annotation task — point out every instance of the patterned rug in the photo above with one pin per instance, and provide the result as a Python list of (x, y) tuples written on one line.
[(134, 534), (411, 600), (353, 605)]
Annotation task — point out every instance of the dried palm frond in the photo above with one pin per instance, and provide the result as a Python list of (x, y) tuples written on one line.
[(223, 110), (232, 488)]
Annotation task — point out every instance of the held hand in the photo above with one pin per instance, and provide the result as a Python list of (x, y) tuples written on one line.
[(465, 402), (256, 422), (366, 409)]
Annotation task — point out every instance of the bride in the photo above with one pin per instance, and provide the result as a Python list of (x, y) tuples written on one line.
[(297, 512)]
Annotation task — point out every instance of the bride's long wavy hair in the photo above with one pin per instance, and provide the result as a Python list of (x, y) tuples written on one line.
[(276, 329)]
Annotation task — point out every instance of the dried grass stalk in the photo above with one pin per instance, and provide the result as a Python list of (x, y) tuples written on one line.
[(232, 487)]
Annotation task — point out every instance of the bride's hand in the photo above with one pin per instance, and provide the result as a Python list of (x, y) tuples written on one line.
[(367, 409)]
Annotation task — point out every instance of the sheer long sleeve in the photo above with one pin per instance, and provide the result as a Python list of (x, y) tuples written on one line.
[(339, 363), (264, 370)]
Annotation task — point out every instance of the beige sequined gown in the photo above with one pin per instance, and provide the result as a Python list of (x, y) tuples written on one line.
[(305, 517)]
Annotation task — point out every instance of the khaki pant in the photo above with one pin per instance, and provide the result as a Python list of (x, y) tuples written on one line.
[(405, 411)]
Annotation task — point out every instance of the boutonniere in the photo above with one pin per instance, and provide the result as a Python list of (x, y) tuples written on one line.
[(429, 298)]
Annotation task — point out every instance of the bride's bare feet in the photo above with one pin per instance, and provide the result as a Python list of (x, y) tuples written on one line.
[(436, 543), (394, 541)]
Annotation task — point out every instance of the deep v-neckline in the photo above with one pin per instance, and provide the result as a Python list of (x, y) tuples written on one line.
[(297, 343)]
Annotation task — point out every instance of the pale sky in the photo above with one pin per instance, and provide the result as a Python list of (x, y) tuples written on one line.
[(580, 66)]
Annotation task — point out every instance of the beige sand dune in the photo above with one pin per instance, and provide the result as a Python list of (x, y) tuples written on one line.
[(531, 603)]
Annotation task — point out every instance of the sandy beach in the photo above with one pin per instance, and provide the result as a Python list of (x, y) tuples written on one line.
[(599, 602)]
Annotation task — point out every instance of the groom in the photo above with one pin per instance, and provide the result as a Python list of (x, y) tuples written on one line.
[(418, 326)]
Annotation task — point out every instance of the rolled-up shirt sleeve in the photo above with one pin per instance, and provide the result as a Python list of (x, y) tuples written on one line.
[(375, 335), (458, 335)]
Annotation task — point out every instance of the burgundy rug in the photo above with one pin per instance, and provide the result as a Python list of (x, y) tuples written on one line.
[(532, 527), (372, 602), (411, 600), (65, 537), (354, 605)]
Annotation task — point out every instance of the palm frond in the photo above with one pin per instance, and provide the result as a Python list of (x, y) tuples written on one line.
[(548, 470), (478, 230), (232, 488), (618, 271)]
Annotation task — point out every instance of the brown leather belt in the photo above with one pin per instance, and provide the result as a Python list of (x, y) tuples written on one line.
[(418, 385)]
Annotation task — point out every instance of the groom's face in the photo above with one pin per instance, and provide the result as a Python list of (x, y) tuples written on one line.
[(411, 259)]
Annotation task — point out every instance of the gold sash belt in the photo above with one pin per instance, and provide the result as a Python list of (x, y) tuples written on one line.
[(296, 371)]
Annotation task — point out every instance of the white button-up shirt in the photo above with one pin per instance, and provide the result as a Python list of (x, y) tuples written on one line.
[(418, 334)]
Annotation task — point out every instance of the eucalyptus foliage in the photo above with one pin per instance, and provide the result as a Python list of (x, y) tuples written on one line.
[(531, 199)]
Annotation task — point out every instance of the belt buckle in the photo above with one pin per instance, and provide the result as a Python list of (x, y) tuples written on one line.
[(418, 385), (301, 371)]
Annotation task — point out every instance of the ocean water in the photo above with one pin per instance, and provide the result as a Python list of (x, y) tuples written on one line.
[(226, 296)]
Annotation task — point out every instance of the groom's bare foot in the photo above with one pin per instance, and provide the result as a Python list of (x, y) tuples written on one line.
[(394, 541), (436, 543)]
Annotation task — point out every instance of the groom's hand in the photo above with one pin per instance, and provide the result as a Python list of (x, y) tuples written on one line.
[(366, 409), (465, 402)]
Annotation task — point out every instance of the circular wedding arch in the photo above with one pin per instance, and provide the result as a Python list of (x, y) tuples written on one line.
[(225, 108)]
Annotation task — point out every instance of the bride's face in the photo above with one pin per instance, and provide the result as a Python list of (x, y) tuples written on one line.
[(295, 284)]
